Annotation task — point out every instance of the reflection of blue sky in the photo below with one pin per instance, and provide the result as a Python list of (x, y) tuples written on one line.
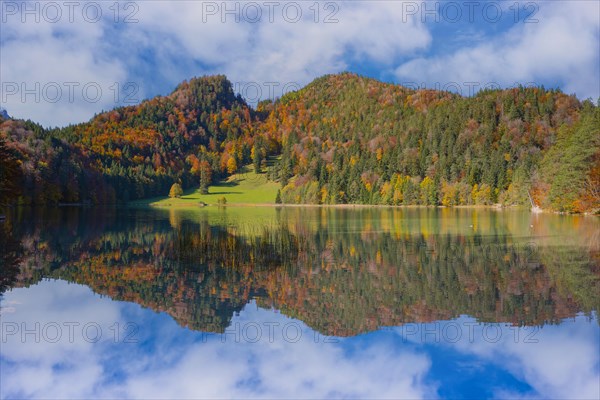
[(168, 361)]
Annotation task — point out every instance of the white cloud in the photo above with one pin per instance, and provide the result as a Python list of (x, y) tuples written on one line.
[(277, 48), (562, 47), (171, 41), (55, 72), (179, 37)]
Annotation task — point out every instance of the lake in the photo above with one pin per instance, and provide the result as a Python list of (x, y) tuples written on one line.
[(402, 303)]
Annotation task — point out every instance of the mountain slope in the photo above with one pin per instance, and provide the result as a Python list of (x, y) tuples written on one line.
[(342, 139), (349, 139), (143, 149), (137, 151)]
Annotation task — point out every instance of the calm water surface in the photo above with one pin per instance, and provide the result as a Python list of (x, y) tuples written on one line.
[(299, 303)]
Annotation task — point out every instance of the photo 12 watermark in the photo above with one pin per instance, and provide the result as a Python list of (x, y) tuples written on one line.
[(68, 332), (254, 92), (269, 332), (319, 12), (468, 331), (332, 12), (54, 12), (525, 250), (69, 92), (269, 12), (464, 88), (469, 11)]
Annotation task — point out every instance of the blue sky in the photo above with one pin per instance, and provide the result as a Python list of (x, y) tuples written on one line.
[(163, 360), (62, 64)]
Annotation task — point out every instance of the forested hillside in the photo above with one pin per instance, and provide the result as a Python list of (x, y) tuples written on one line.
[(348, 139), (341, 139), (200, 132)]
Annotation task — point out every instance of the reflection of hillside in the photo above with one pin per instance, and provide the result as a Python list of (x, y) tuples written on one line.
[(341, 276), (10, 253)]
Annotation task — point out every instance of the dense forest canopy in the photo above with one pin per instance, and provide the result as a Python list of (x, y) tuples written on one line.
[(341, 139)]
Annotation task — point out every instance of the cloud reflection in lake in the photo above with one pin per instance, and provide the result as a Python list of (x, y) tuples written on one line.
[(264, 354)]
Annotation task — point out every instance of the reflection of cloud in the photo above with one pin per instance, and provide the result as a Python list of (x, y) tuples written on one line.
[(282, 369), (556, 361), (168, 361), (563, 364), (167, 364), (32, 366)]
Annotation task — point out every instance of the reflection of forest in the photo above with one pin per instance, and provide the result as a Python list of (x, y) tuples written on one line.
[(341, 272), (10, 252)]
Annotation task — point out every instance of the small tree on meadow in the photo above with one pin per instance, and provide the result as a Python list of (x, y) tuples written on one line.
[(176, 190)]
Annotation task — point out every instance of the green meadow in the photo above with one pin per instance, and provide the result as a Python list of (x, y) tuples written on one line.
[(244, 187)]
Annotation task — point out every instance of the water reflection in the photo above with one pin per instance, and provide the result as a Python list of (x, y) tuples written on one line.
[(10, 253), (311, 303), (341, 274), (287, 360)]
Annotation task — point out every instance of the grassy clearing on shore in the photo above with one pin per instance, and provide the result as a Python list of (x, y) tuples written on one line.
[(245, 187)]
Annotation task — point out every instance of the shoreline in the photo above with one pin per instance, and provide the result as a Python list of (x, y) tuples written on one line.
[(197, 205), (496, 207), (274, 205)]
